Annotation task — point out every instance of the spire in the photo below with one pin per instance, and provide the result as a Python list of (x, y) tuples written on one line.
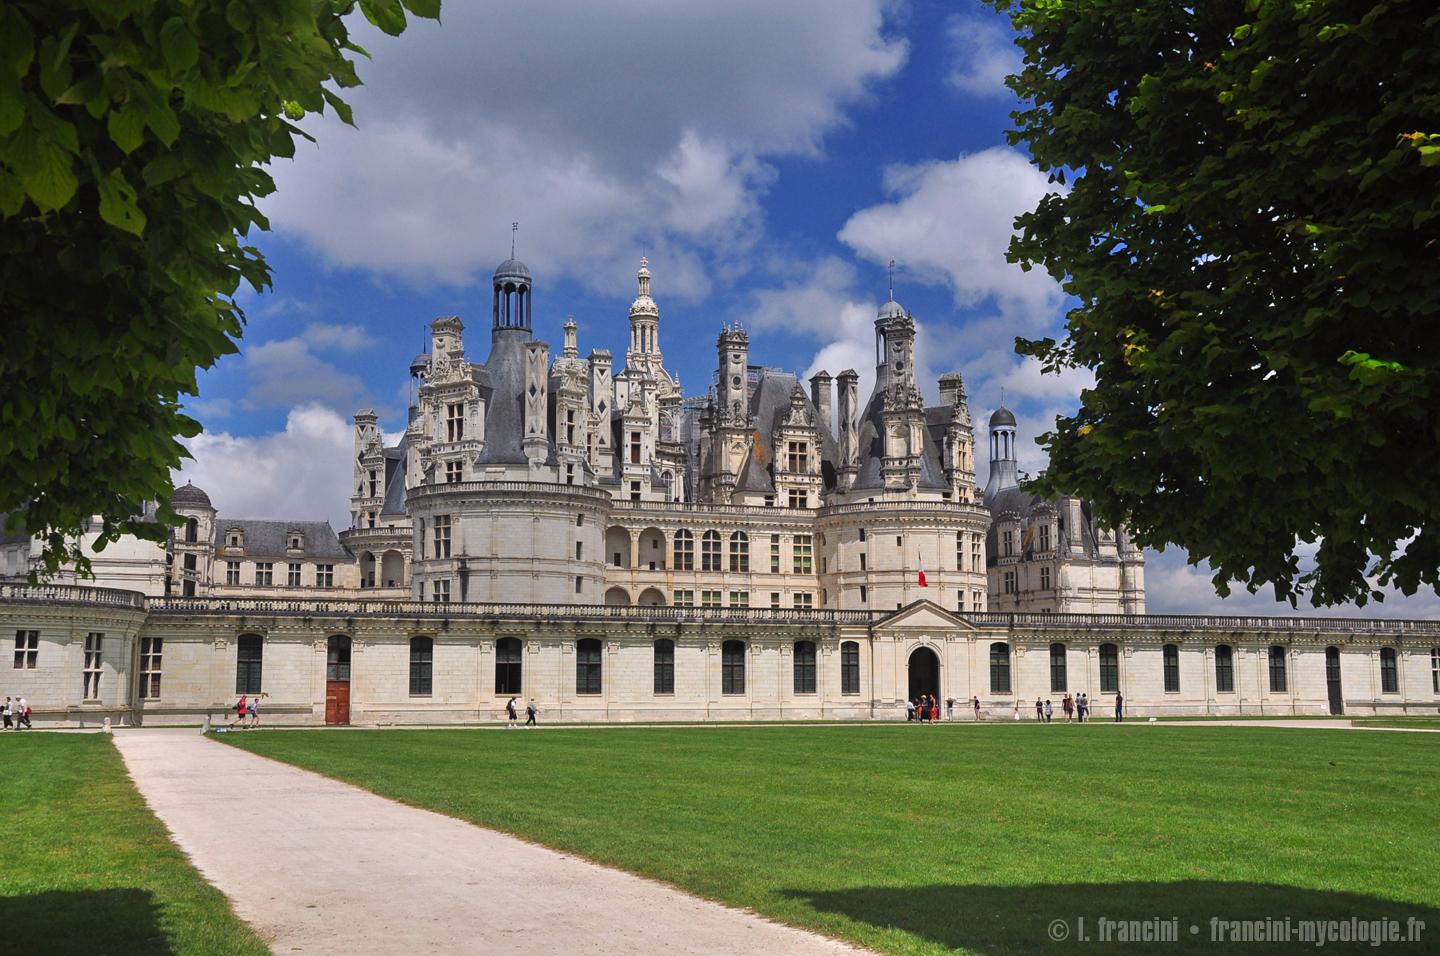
[(571, 349), (644, 277)]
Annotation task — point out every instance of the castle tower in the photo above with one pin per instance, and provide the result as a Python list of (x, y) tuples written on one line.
[(1004, 470), (903, 410), (644, 325)]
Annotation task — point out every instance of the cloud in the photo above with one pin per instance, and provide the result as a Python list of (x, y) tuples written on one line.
[(286, 372), (342, 338), (596, 126), (950, 225), (982, 53), (303, 472)]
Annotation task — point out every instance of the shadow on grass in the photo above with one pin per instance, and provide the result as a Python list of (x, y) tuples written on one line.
[(1018, 919), (82, 923)]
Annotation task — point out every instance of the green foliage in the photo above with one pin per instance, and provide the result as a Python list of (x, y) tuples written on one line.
[(936, 840), (133, 135), (1251, 230)]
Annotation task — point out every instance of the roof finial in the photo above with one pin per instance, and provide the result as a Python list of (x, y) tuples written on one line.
[(514, 227), (892, 280), (1002, 396)]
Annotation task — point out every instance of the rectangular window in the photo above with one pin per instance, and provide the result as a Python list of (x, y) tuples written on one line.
[(1277, 670), (249, 663), (442, 591), (850, 668), (150, 648), (864, 560), (710, 551), (1007, 541), (799, 498), (977, 559), (684, 598), (1058, 677), (977, 601), (862, 534), (454, 471), (442, 536), (634, 448), (1044, 542), (1435, 669), (1009, 582), (1044, 579), (1172, 669), (372, 484), (1224, 669), (804, 599), (732, 667), (798, 458), (1389, 671), (864, 594), (324, 575), (710, 598), (264, 574), (422, 666), (579, 549), (292, 575), (455, 422), (999, 668), (1109, 669), (801, 555), (94, 643), (739, 598), (664, 666), (579, 584), (804, 667), (959, 551), (775, 599), (27, 649), (232, 572), (684, 551), (774, 554)]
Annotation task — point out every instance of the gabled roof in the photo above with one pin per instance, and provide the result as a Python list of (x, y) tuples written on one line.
[(267, 539), (924, 614)]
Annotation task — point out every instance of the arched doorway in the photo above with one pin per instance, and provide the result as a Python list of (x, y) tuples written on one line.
[(617, 597), (924, 673), (337, 680), (651, 597), (1332, 681)]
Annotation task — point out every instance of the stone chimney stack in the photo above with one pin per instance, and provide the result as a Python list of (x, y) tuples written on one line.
[(849, 432), (821, 393)]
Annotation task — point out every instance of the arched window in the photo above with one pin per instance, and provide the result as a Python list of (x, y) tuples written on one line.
[(804, 667), (710, 551), (999, 668), (192, 531), (249, 651), (587, 666), (684, 551), (732, 667), (664, 666), (1172, 669), (1389, 673), (1224, 669), (850, 668), (1277, 670), (739, 551), (1109, 669), (422, 666), (1058, 683), (337, 658), (507, 666)]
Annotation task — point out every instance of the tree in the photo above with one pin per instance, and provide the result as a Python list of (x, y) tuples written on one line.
[(1250, 230), (132, 139)]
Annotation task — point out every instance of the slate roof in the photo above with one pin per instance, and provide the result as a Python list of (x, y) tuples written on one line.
[(264, 538), (505, 411)]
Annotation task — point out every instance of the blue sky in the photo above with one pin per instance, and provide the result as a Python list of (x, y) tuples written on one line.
[(770, 160)]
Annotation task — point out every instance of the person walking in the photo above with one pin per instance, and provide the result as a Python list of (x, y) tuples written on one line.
[(254, 711), (22, 714), (949, 708), (512, 720), (239, 714), (1049, 711), (531, 712), (909, 711), (975, 701), (1039, 710), (1119, 708), (7, 712)]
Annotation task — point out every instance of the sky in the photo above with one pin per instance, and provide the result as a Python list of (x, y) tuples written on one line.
[(770, 161)]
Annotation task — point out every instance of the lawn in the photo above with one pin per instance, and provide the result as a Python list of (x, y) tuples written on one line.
[(915, 839), (86, 868)]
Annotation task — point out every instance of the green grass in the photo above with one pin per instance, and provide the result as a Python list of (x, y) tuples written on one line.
[(86, 868), (1422, 723), (930, 839)]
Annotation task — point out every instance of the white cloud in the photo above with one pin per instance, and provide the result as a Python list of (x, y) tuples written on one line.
[(286, 372), (982, 53), (342, 338), (950, 225), (302, 473), (596, 126)]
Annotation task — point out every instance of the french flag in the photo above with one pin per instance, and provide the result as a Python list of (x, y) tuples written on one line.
[(922, 568)]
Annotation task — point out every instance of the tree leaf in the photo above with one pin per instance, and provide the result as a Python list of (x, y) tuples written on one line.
[(118, 204), (127, 128), (178, 45), (388, 15)]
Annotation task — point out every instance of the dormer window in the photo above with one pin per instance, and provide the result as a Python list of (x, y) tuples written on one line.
[(296, 541), (455, 422)]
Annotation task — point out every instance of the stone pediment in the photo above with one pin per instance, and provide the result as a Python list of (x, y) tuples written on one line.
[(923, 615)]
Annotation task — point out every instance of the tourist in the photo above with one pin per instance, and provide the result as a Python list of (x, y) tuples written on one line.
[(949, 708), (1049, 711), (1039, 710), (1119, 707), (924, 708), (22, 714), (7, 711), (934, 708), (976, 702), (531, 711), (1068, 706), (239, 713), (255, 711), (512, 719), (909, 710), (1017, 711)]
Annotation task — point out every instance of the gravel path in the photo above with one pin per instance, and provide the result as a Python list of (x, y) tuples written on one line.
[(318, 866)]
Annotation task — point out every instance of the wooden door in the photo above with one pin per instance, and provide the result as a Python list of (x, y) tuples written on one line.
[(337, 702)]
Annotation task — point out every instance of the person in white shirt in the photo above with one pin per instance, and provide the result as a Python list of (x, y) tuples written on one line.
[(22, 711), (8, 710)]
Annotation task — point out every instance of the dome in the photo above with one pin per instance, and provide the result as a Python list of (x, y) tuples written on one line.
[(891, 310), (189, 497), (1002, 417), (420, 364), (512, 269)]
